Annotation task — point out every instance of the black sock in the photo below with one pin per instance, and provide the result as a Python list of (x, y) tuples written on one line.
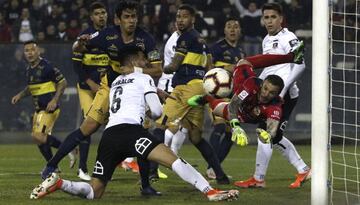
[(153, 167), (53, 141), (144, 167), (209, 155), (215, 137), (66, 147), (225, 146), (45, 150), (84, 147)]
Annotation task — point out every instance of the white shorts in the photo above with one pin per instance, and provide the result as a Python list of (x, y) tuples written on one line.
[(165, 82)]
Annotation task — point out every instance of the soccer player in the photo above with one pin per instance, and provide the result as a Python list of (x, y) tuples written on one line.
[(190, 63), (113, 41), (90, 66), (226, 53), (46, 84), (125, 136), (279, 41)]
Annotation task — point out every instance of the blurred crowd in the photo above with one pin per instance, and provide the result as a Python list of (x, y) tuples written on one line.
[(63, 20)]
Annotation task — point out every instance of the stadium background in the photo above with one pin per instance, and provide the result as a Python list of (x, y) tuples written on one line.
[(56, 23)]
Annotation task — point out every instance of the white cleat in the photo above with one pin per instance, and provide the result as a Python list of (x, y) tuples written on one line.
[(83, 175), (210, 173), (218, 195), (49, 185), (73, 157)]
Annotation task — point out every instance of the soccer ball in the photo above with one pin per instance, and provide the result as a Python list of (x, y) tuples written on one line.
[(217, 83)]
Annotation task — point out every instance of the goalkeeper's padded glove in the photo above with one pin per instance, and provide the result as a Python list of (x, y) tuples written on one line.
[(239, 136), (263, 135)]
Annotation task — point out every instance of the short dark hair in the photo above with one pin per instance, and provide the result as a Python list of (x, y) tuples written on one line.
[(232, 18), (273, 6), (188, 8), (125, 4), (96, 5), (275, 80), (30, 42), (128, 52)]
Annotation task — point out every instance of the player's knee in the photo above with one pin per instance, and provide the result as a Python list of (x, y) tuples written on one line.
[(89, 126), (173, 129), (277, 139), (39, 137)]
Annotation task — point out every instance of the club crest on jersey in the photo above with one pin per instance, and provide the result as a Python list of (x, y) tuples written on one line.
[(141, 45), (142, 144), (243, 94)]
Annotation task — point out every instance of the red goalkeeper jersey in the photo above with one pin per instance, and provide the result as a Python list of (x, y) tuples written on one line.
[(246, 87)]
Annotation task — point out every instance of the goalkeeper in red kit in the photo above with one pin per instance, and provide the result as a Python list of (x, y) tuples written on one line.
[(254, 100)]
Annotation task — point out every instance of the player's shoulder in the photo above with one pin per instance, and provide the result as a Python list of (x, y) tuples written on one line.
[(141, 33), (286, 34), (218, 44), (89, 30)]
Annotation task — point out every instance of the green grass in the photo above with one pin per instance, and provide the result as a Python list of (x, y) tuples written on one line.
[(20, 166)]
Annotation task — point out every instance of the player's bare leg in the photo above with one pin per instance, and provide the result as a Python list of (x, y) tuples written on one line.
[(164, 156)]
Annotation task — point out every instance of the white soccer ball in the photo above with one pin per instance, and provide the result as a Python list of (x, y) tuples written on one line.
[(217, 83)]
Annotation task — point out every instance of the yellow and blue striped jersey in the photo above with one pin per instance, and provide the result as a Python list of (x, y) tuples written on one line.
[(42, 81), (195, 51), (224, 54), (110, 41), (90, 65)]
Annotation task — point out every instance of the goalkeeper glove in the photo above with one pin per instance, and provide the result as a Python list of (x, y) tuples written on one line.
[(263, 135), (238, 134)]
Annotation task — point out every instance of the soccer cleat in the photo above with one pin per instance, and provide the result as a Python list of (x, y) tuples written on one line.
[(133, 166), (217, 195), (72, 156), (47, 171), (250, 183), (196, 100), (161, 174), (210, 173), (149, 191), (299, 53), (300, 179), (83, 175), (223, 180), (49, 185)]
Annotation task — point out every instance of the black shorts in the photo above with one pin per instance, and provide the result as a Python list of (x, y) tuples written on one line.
[(119, 142)]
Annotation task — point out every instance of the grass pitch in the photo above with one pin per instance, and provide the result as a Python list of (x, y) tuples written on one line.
[(20, 167)]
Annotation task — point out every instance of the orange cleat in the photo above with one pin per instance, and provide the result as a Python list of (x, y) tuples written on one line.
[(133, 166), (49, 185), (250, 183), (300, 179)]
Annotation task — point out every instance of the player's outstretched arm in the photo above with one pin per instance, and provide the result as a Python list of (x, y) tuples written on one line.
[(21, 94), (271, 128)]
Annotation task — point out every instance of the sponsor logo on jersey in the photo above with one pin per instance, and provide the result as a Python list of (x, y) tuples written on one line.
[(275, 45), (113, 37), (113, 48), (94, 35)]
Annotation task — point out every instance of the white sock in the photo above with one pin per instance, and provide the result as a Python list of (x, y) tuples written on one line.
[(178, 139), (81, 189), (129, 159), (263, 156), (190, 175), (168, 137), (288, 150)]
